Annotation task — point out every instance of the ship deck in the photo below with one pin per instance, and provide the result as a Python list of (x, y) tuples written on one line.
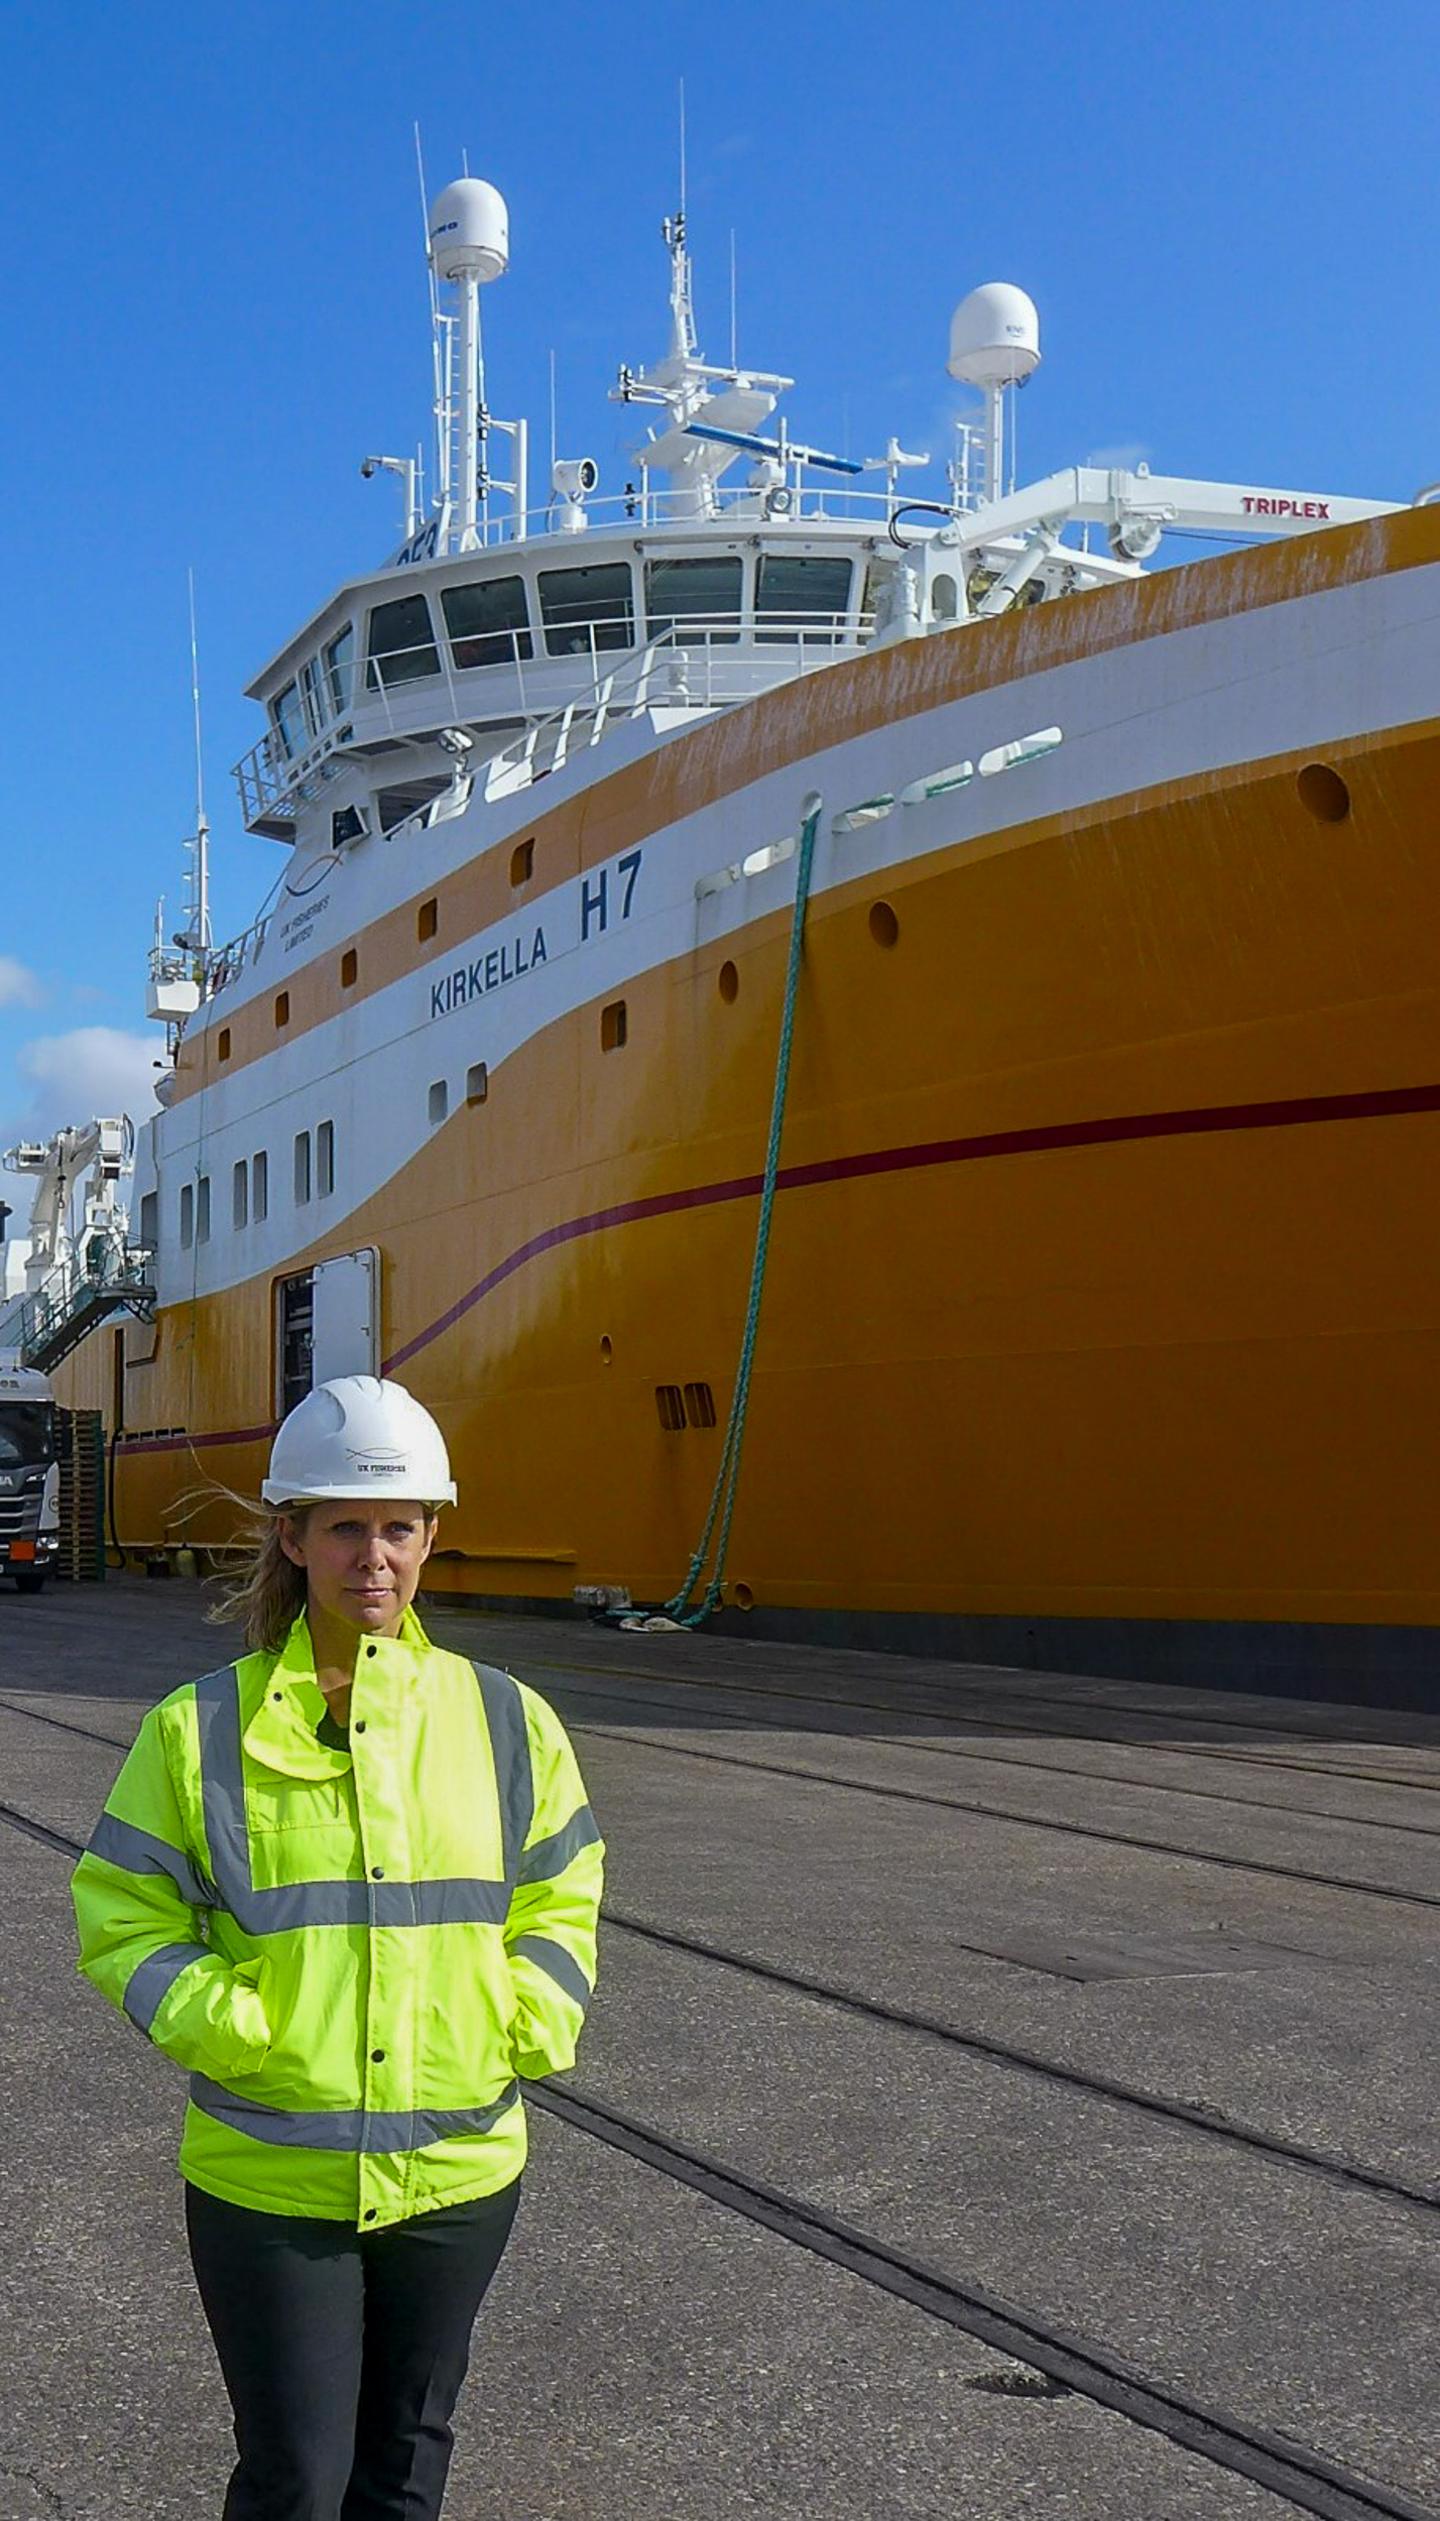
[(1007, 2094)]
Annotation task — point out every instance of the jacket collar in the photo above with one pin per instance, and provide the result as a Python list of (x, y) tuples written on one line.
[(282, 1734)]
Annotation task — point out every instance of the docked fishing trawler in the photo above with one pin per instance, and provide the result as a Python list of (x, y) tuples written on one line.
[(1098, 1322)]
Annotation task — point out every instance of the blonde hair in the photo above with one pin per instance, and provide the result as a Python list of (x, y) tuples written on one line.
[(265, 1591)]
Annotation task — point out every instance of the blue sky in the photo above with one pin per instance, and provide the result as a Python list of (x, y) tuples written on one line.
[(214, 304)]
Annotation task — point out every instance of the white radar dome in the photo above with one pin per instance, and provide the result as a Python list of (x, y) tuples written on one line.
[(469, 231), (994, 336)]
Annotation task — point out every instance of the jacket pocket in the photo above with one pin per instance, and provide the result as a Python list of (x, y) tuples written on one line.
[(241, 2038)]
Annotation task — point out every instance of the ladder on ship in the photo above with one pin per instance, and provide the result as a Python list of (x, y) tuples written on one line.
[(46, 1325)]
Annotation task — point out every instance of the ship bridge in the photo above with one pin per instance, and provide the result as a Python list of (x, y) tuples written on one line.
[(499, 639), (696, 614)]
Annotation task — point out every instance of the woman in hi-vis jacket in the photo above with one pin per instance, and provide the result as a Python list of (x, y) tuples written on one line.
[(351, 1883)]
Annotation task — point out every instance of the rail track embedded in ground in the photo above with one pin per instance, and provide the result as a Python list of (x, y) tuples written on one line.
[(1004, 2053), (1071, 2362)]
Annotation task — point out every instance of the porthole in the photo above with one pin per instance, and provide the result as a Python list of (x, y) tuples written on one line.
[(670, 1407), (744, 1598), (282, 1008), (614, 1026), (477, 1083), (1323, 793), (427, 920), (222, 1047), (607, 1348), (729, 983), (349, 968), (884, 926), (522, 861)]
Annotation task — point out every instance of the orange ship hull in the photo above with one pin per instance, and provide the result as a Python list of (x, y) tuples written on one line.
[(1101, 1324)]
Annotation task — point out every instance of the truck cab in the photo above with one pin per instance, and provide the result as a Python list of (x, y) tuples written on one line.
[(29, 1475)]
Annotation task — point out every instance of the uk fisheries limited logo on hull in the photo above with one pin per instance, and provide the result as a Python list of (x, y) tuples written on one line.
[(601, 900)]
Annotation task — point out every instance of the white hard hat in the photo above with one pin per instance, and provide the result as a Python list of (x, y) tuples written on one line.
[(358, 1437)]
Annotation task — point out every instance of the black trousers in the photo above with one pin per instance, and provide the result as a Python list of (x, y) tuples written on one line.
[(343, 2352)]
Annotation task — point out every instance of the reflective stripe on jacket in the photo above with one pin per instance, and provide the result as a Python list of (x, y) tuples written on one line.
[(357, 1952)]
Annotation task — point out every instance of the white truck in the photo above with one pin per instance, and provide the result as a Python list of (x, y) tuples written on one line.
[(29, 1474)]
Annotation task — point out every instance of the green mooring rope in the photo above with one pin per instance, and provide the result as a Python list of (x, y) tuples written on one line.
[(722, 1496)]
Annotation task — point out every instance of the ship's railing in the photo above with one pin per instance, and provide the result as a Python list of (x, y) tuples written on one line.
[(229, 961), (283, 771), (701, 665), (706, 663), (803, 502)]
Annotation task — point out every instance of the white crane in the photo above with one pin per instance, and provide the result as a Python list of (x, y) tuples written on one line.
[(98, 1153)]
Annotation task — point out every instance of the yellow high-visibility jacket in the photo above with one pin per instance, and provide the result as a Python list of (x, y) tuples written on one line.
[(358, 1953)]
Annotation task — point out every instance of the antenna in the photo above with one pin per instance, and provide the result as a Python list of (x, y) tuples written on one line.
[(200, 823), (468, 245), (553, 449), (734, 360), (437, 351), (199, 921), (682, 148)]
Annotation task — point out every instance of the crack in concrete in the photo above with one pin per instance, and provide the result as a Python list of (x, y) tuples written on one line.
[(48, 2505)]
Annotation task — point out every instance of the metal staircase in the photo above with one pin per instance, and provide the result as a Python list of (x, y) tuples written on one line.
[(45, 1325)]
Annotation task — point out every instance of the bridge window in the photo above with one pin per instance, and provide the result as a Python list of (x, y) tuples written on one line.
[(802, 596), (313, 695), (585, 609), (260, 1187), (339, 656), (325, 1159), (240, 1195), (289, 719), (402, 643), (687, 595), (488, 621)]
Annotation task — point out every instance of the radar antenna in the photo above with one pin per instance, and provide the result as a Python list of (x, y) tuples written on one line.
[(197, 937)]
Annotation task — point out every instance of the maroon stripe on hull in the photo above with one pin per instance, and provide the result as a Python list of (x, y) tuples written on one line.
[(1205, 1120)]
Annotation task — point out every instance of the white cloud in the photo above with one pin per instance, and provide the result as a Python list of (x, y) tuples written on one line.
[(18, 987), (73, 1077)]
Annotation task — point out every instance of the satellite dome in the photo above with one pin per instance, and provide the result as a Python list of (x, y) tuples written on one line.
[(469, 231), (994, 336)]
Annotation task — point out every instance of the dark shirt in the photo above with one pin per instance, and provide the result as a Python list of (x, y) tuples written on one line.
[(334, 1736)]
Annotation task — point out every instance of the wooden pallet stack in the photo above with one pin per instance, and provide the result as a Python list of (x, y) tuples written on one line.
[(82, 1495)]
